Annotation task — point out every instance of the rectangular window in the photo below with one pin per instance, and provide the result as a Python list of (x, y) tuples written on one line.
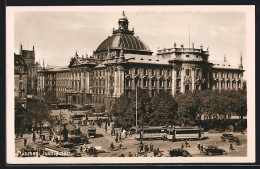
[(222, 84), (161, 72), (153, 83), (145, 82), (187, 56), (161, 82), (216, 75), (145, 71), (227, 75), (178, 72), (222, 75), (187, 72), (238, 75), (153, 72), (227, 85), (136, 71), (233, 75)]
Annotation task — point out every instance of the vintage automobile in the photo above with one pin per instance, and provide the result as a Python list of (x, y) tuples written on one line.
[(228, 137), (179, 152), (213, 150)]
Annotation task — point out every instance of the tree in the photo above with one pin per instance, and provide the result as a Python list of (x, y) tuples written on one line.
[(40, 112), (164, 109), (187, 109)]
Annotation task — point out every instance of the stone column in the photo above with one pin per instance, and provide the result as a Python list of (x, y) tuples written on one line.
[(182, 80), (192, 78), (208, 82), (173, 81)]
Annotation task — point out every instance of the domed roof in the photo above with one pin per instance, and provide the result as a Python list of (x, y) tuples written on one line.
[(126, 41)]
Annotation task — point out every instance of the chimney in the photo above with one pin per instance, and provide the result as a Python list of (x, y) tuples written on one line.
[(33, 47)]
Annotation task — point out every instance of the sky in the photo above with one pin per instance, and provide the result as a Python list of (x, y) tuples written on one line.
[(56, 35)]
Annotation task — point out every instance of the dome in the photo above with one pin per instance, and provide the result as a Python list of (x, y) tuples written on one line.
[(124, 38), (126, 41)]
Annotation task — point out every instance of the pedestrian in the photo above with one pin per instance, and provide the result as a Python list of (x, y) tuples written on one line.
[(106, 128), (116, 139), (24, 142), (198, 146), (81, 149), (130, 154), (151, 147), (201, 149), (120, 146), (186, 143), (34, 137), (182, 145), (56, 139), (230, 147), (21, 134), (145, 147), (141, 147)]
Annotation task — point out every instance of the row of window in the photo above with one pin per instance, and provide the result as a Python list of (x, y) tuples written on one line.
[(98, 91), (145, 82), (233, 84), (228, 75), (145, 71)]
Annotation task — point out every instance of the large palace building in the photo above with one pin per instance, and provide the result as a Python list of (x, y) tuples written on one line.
[(123, 62)]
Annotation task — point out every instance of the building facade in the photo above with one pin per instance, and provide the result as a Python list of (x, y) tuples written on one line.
[(123, 62), (25, 75)]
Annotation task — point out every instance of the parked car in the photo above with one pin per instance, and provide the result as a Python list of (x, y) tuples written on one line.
[(179, 152), (213, 150), (228, 137)]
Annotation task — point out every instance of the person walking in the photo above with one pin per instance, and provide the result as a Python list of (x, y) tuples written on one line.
[(34, 137), (198, 146), (201, 149), (130, 154), (151, 147), (230, 147), (186, 143), (182, 146), (81, 149), (24, 142)]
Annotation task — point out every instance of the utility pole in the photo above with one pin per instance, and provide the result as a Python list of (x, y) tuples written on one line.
[(136, 105)]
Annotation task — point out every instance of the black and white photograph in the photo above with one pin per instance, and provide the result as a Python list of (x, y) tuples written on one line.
[(130, 84)]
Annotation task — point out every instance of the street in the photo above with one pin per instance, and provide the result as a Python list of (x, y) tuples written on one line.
[(130, 144)]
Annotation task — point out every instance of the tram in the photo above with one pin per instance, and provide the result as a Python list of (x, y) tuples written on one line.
[(183, 133), (158, 132)]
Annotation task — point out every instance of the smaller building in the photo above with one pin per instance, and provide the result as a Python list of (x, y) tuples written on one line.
[(20, 80)]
